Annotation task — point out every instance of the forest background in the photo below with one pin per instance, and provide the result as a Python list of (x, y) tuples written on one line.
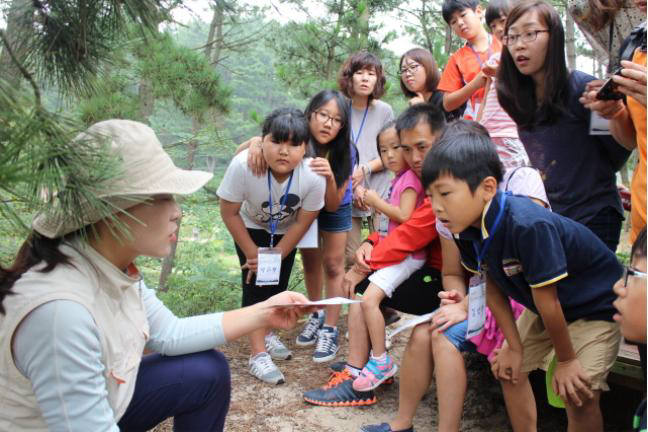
[(203, 74)]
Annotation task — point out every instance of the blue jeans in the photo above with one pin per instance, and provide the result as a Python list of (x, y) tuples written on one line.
[(194, 389), (456, 334)]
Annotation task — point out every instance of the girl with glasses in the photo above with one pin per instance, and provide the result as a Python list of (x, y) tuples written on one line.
[(419, 77), (541, 95)]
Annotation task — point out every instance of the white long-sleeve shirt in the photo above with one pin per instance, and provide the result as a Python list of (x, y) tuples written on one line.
[(57, 347)]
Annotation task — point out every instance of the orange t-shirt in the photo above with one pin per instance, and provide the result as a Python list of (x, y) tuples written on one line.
[(463, 66), (638, 187)]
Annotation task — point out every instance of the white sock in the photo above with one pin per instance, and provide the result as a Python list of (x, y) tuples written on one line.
[(353, 371), (381, 358)]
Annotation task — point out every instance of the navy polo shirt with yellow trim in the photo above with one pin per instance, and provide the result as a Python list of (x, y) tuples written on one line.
[(534, 247)]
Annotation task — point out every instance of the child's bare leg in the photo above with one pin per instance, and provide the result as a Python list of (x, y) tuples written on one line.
[(257, 341), (334, 243), (520, 404), (586, 418), (358, 337), (415, 376), (374, 318), (313, 273), (450, 378)]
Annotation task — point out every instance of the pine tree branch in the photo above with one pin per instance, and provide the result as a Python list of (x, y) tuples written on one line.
[(25, 73)]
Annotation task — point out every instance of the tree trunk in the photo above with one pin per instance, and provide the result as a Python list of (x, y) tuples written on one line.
[(17, 19), (214, 44), (447, 47), (146, 100), (570, 41), (169, 260)]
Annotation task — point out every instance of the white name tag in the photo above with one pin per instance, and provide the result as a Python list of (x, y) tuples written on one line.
[(269, 267), (476, 309), (309, 240), (599, 125)]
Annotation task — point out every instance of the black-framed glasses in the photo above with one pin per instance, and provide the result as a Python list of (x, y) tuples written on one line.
[(323, 117), (412, 68), (629, 271), (526, 37)]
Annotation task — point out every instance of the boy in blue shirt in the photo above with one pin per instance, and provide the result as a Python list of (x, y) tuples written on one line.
[(557, 268)]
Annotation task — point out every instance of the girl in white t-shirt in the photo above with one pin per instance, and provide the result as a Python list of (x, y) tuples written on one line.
[(272, 211)]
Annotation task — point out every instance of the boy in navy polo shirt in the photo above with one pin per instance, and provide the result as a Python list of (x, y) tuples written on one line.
[(557, 268)]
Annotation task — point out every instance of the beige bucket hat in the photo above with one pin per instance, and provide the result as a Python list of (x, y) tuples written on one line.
[(146, 170)]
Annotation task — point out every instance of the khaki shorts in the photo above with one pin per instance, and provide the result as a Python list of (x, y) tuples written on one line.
[(596, 344)]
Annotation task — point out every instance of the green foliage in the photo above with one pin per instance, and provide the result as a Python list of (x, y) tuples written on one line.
[(113, 98), (42, 166), (183, 75), (67, 41)]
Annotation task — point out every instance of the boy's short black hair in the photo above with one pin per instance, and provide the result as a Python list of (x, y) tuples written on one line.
[(425, 112), (639, 246), (451, 6), (497, 9), (464, 151), (287, 124)]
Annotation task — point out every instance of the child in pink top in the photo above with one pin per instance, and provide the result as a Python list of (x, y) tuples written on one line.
[(406, 193)]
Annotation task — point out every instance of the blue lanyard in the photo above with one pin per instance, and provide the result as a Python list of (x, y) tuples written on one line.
[(355, 138), (481, 253), (274, 218)]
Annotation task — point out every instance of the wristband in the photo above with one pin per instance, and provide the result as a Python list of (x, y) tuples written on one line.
[(369, 241)]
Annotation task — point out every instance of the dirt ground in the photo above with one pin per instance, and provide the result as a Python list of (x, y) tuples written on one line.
[(258, 407)]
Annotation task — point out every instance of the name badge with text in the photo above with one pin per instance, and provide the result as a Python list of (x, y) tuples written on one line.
[(269, 266)]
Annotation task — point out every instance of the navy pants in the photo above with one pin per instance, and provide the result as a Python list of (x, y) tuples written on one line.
[(194, 389)]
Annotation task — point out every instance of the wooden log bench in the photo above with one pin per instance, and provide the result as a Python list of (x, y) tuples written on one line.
[(627, 368)]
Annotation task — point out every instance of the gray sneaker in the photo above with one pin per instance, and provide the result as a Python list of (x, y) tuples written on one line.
[(276, 348), (308, 335), (262, 367)]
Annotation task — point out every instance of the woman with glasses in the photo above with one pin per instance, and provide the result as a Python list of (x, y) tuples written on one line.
[(330, 146), (419, 77), (535, 88)]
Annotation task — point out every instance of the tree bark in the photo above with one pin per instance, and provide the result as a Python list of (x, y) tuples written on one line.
[(146, 100), (169, 260), (17, 19), (447, 47), (570, 41)]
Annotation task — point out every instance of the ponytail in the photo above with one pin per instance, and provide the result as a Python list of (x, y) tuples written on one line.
[(34, 250)]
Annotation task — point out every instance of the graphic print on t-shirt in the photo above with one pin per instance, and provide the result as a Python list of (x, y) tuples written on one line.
[(278, 211)]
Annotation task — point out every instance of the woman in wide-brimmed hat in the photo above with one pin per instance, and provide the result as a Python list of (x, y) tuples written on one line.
[(75, 316)]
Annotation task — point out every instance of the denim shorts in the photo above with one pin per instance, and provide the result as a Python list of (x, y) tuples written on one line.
[(456, 334), (337, 221)]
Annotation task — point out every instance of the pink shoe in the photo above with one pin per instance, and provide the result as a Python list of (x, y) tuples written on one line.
[(375, 373)]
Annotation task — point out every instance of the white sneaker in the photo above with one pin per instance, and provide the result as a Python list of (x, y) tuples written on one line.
[(262, 367), (276, 348)]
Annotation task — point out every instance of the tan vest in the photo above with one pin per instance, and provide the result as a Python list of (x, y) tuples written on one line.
[(114, 301)]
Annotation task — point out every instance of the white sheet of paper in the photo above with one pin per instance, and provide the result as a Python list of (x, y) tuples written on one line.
[(476, 310), (325, 302), (309, 240), (599, 125), (269, 267), (413, 322)]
